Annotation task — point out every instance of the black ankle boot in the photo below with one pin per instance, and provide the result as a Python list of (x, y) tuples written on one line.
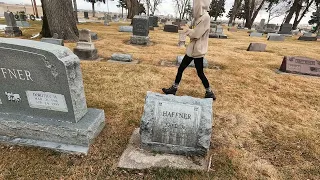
[(210, 95), (171, 90)]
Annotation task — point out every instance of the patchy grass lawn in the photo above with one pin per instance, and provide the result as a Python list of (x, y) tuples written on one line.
[(266, 125)]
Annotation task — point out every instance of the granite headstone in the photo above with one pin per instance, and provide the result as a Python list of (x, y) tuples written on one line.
[(300, 65), (42, 98), (140, 30), (259, 47), (176, 125)]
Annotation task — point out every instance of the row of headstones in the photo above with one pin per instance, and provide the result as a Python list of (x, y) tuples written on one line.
[(42, 103)]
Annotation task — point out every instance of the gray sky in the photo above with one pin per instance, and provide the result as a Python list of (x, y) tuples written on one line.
[(167, 7)]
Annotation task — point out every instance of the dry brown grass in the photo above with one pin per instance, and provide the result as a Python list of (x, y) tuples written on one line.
[(266, 125)]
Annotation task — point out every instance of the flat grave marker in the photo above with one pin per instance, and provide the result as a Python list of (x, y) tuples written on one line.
[(300, 65)]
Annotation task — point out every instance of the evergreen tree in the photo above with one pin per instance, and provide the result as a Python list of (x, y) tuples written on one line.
[(93, 2), (123, 5), (217, 8)]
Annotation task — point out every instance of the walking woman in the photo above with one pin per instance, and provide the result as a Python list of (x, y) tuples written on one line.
[(197, 48)]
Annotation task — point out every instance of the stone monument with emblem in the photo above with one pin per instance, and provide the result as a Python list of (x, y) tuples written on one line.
[(42, 98), (170, 125), (140, 30), (12, 30), (85, 49)]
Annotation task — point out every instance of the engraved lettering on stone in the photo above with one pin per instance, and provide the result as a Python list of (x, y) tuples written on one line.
[(314, 69), (13, 97), (176, 123), (292, 67), (301, 61), (23, 75), (47, 100)]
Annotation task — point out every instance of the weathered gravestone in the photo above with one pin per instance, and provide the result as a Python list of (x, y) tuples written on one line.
[(307, 38), (125, 28), (86, 15), (276, 38), (177, 125), (85, 49), (272, 34), (180, 58), (140, 30), (255, 34), (42, 100), (155, 21), (94, 36), (285, 29), (107, 19), (182, 40), (121, 57), (300, 65), (171, 28), (259, 47), (11, 30), (53, 41)]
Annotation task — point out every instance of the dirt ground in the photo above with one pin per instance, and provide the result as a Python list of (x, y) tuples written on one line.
[(266, 124)]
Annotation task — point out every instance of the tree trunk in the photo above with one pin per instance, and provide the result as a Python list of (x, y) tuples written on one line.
[(75, 8), (93, 11), (291, 11), (61, 22), (297, 18), (122, 12), (234, 10), (257, 11), (247, 14), (36, 9)]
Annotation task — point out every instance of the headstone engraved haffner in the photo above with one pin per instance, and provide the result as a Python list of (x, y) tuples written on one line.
[(177, 125), (300, 65), (42, 97)]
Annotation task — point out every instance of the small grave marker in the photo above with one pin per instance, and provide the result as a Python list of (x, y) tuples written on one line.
[(300, 65), (259, 47)]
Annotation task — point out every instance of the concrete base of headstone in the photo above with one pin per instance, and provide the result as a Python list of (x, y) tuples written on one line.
[(180, 58), (182, 44), (53, 41), (308, 38), (276, 38), (213, 35), (222, 36), (23, 24), (151, 28), (140, 40), (121, 57), (12, 31), (56, 135), (94, 36), (136, 158), (259, 47), (125, 29), (86, 51)]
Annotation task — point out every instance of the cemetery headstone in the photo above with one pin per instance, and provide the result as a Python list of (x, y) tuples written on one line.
[(300, 65), (307, 38), (140, 30), (180, 58), (107, 19), (276, 38), (261, 24), (121, 57), (255, 34), (285, 29), (42, 99), (125, 29), (86, 15), (53, 41), (176, 125), (232, 29), (258, 47), (85, 49), (171, 28), (94, 36), (182, 40), (155, 21), (12, 30), (272, 34)]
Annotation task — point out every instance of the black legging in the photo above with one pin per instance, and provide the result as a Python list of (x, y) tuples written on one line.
[(199, 66)]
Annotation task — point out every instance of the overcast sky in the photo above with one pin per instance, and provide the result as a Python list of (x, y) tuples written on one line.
[(167, 7)]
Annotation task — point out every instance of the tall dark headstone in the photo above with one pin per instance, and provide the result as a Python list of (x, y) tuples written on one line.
[(42, 99), (140, 30), (171, 28), (285, 29), (12, 30), (86, 15)]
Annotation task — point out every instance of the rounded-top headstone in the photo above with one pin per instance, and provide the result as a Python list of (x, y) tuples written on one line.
[(84, 35)]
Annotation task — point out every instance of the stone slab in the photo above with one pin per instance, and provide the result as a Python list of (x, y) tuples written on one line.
[(140, 40), (179, 125), (136, 158), (255, 34), (121, 57), (272, 34), (307, 38), (140, 25), (300, 65), (180, 58), (12, 31), (56, 135), (171, 28), (123, 62), (276, 38), (86, 54), (125, 28), (85, 45), (259, 47), (23, 24), (53, 41)]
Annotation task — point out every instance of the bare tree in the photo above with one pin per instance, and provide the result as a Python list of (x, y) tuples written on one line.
[(182, 7), (252, 8), (276, 10), (152, 6)]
